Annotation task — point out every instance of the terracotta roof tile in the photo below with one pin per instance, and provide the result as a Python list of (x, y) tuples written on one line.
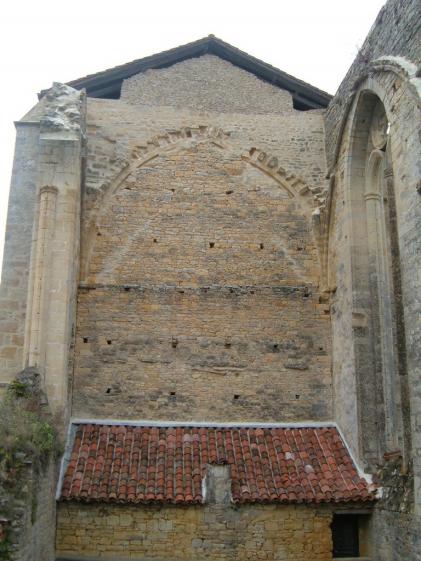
[(131, 464)]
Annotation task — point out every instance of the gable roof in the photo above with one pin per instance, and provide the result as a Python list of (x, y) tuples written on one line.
[(107, 84), (167, 464)]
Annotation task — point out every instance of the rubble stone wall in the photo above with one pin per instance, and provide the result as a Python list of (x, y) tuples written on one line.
[(206, 83), (199, 297), (30, 519), (217, 532)]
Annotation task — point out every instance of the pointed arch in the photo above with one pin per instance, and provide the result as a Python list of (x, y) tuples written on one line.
[(173, 142), (375, 272)]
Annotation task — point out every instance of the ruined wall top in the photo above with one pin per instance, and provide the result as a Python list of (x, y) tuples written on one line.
[(63, 109)]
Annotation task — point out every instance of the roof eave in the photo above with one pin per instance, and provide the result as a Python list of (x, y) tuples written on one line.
[(108, 83)]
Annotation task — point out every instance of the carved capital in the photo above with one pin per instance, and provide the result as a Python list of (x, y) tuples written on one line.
[(372, 196), (46, 189)]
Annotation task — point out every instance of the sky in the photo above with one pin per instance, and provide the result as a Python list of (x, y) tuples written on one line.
[(49, 41)]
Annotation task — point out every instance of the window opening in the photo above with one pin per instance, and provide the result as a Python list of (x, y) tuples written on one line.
[(345, 536)]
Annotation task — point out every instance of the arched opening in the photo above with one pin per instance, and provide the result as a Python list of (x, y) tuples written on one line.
[(379, 338)]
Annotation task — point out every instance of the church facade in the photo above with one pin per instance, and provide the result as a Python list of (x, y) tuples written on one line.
[(212, 267)]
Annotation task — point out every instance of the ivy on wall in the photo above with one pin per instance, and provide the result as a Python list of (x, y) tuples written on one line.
[(28, 441)]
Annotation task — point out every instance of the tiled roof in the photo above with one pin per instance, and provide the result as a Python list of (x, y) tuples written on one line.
[(138, 464)]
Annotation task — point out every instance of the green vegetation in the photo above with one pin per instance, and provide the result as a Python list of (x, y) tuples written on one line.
[(26, 434), (27, 438), (5, 547)]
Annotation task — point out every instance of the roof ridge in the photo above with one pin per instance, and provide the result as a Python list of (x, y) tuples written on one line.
[(143, 59), (107, 83), (275, 68)]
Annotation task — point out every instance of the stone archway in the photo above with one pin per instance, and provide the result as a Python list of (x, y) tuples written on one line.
[(380, 165)]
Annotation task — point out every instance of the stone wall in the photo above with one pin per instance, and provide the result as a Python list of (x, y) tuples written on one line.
[(350, 323), (206, 83), (200, 271), (217, 532), (30, 520), (17, 251), (161, 353), (396, 536), (361, 407), (200, 286), (41, 258), (28, 448), (394, 83), (395, 527)]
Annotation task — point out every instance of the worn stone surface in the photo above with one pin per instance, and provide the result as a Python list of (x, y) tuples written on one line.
[(158, 353), (217, 531), (363, 405), (16, 260), (27, 472), (352, 284), (64, 109), (396, 536), (51, 298), (206, 83), (201, 271), (29, 520)]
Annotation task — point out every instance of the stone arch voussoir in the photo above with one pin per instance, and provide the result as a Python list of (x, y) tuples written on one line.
[(171, 141)]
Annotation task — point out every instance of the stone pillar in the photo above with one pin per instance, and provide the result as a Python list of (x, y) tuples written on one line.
[(402, 397), (37, 307), (55, 247), (381, 298)]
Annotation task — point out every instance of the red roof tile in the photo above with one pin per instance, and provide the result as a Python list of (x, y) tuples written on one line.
[(132, 464)]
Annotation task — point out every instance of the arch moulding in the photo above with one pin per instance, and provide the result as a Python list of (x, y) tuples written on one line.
[(174, 141), (383, 77), (399, 71)]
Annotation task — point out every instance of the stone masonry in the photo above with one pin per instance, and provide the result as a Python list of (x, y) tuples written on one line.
[(242, 93), (386, 66), (202, 270), (188, 246), (213, 532)]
